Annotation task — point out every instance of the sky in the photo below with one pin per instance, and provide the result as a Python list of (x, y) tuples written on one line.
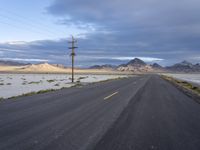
[(107, 31)]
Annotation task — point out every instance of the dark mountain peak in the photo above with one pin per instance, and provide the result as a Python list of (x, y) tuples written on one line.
[(184, 66), (185, 63), (137, 62), (197, 66), (109, 66), (106, 66), (156, 65), (95, 67)]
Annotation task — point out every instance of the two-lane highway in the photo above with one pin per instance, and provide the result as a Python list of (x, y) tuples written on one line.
[(67, 119), (159, 117), (138, 113)]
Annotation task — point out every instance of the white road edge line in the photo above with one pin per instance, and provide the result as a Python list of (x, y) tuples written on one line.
[(110, 96)]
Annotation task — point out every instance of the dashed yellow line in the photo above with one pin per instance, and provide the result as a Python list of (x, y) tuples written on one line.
[(110, 96)]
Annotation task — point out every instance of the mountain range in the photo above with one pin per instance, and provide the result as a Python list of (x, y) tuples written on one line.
[(184, 66), (135, 65), (106, 67)]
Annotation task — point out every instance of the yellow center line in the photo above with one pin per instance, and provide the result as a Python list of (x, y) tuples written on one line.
[(110, 96)]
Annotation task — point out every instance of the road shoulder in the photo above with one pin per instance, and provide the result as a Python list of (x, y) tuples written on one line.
[(187, 88)]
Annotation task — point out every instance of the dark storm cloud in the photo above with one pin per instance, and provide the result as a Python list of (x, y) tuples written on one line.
[(53, 52), (89, 53), (132, 14), (154, 30), (35, 51), (128, 26)]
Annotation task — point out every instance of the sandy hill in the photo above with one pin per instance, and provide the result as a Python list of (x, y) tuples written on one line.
[(48, 68), (45, 67)]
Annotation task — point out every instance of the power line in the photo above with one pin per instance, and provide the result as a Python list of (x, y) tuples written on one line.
[(25, 25), (31, 20), (24, 20), (20, 27)]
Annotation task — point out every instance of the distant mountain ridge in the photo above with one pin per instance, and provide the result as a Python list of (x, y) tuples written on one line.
[(12, 63), (135, 65), (184, 66), (106, 66), (138, 65)]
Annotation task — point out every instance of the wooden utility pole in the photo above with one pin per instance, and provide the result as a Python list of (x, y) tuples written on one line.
[(73, 55)]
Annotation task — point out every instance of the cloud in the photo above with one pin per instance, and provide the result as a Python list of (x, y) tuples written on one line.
[(27, 60), (129, 13), (1, 53), (136, 27), (146, 59), (10, 50), (117, 31), (90, 52), (153, 30)]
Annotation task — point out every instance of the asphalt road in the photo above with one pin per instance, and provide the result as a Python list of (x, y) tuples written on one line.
[(139, 113)]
